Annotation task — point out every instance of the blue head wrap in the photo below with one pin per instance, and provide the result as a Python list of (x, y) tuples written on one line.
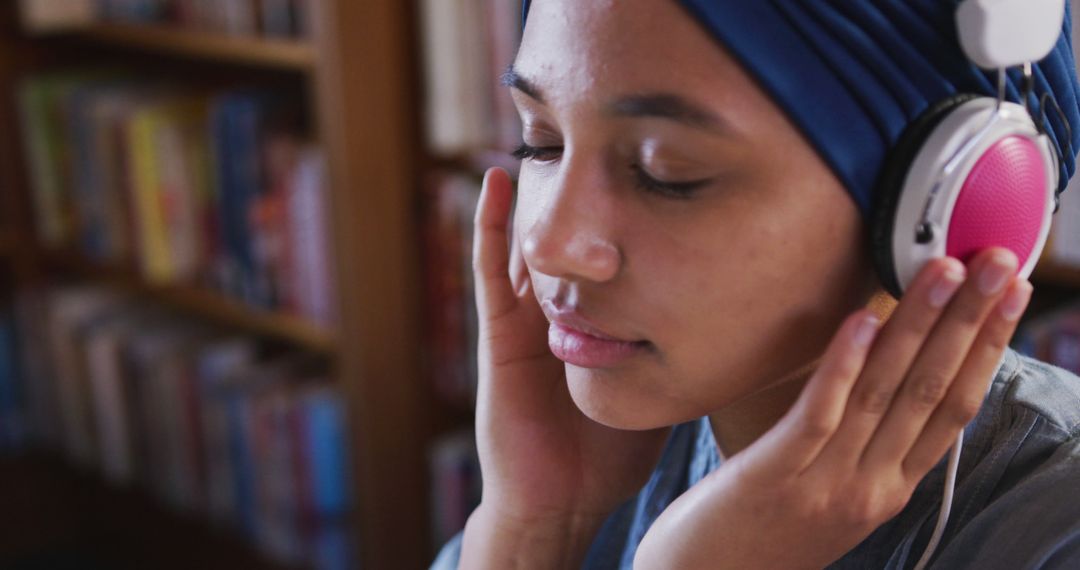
[(852, 74)]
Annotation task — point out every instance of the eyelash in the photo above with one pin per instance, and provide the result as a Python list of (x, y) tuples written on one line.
[(678, 190)]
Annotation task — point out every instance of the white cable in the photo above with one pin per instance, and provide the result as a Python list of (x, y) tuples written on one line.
[(946, 502)]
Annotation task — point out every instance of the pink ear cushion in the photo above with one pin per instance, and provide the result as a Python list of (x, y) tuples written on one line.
[(1002, 202)]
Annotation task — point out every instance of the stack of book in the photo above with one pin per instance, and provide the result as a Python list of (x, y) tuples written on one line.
[(249, 18), (468, 44), (207, 188), (211, 424), (451, 302)]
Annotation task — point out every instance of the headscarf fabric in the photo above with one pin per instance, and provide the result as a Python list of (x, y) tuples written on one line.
[(853, 74)]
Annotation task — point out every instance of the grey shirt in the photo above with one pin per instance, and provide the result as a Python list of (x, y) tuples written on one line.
[(1016, 503)]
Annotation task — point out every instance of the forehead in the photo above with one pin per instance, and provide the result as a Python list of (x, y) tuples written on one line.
[(575, 49)]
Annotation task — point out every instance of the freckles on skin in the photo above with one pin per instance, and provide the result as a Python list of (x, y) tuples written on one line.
[(560, 27), (761, 283)]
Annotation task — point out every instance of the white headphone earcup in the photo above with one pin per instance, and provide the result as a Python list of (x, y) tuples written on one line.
[(994, 180)]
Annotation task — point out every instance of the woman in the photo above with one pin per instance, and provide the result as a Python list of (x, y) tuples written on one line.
[(689, 249)]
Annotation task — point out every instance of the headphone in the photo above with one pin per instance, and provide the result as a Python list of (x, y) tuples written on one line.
[(972, 171)]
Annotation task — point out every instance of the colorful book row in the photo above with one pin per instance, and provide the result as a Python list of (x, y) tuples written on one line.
[(214, 425), (206, 188)]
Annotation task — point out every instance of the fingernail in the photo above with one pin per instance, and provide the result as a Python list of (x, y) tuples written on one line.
[(868, 328), (995, 274), (946, 286), (1016, 301)]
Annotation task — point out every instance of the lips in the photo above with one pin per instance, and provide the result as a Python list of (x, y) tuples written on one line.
[(575, 340)]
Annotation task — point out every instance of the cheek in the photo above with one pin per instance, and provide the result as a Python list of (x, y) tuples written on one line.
[(528, 208), (756, 291)]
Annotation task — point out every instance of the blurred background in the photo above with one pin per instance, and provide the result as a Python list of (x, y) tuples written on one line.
[(236, 317)]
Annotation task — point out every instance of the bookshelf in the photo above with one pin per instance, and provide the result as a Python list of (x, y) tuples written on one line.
[(294, 55), (356, 74)]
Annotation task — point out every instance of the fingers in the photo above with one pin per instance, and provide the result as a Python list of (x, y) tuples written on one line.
[(494, 293), (801, 433), (887, 365), (968, 391), (939, 361)]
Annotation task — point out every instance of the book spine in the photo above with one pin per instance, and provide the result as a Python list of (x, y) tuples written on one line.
[(9, 401), (104, 363), (155, 260), (328, 451), (44, 156), (311, 274)]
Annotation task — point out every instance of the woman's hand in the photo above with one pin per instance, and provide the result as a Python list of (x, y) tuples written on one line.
[(548, 470), (867, 427)]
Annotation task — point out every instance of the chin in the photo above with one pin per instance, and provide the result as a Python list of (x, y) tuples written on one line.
[(614, 400)]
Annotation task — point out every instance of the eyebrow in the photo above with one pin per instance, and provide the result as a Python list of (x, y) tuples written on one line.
[(670, 106), (655, 105), (511, 78)]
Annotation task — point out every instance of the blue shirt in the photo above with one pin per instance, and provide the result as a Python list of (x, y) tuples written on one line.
[(1016, 503)]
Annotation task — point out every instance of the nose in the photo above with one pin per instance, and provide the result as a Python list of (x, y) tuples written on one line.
[(572, 235)]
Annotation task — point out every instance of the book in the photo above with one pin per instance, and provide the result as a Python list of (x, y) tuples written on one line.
[(13, 432), (164, 188), (43, 134), (105, 363), (307, 263), (37, 368), (69, 313)]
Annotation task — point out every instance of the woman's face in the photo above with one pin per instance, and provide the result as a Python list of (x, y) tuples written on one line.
[(669, 204)]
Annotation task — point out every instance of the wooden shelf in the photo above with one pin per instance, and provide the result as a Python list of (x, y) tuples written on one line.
[(284, 54), (202, 303), (68, 518), (1056, 274)]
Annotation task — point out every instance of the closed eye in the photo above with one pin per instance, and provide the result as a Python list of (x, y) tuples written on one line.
[(675, 190), (537, 153), (678, 190)]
